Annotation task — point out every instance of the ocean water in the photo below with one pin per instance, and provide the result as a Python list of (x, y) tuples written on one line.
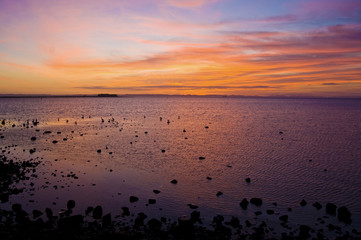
[(291, 149)]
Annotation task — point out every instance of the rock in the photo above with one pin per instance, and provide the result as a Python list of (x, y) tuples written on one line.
[(156, 191), (256, 201), (70, 204), (202, 158), (219, 194), (195, 216), (88, 210), (99, 151), (70, 223), (49, 213), (331, 208), (36, 214), (163, 151), (151, 201), (234, 222), (209, 178), (33, 138), (16, 207), (244, 203), (174, 181), (344, 215), (304, 232), (139, 221), (55, 141), (191, 206), (106, 220), (218, 219), (133, 199), (270, 212), (283, 218), (98, 212), (258, 213), (248, 180), (303, 203), (154, 224), (317, 205), (47, 132), (126, 211)]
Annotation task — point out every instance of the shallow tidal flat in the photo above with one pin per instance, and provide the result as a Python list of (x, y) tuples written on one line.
[(232, 165)]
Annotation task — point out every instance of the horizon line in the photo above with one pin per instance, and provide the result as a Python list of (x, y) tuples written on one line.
[(111, 95)]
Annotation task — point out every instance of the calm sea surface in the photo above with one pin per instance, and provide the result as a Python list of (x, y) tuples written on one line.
[(291, 149)]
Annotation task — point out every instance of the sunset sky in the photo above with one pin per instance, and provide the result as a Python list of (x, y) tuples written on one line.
[(228, 47)]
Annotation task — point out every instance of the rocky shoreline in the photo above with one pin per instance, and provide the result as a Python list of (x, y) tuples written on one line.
[(16, 223)]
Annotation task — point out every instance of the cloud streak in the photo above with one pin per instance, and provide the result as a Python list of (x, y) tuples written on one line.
[(182, 47)]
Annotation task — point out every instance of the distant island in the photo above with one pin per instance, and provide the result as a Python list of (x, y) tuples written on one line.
[(107, 95)]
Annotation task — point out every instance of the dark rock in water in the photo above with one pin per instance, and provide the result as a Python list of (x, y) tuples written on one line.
[(304, 232), (219, 194), (283, 218), (88, 210), (126, 211), (303, 203), (344, 215), (218, 219), (154, 224), (70, 223), (36, 214), (202, 158), (174, 181), (151, 201), (133, 199), (331, 208), (33, 138), (98, 212), (70, 204), (195, 216), (317, 205), (331, 227), (248, 223), (156, 191), (139, 221), (209, 178), (234, 222), (49, 213), (99, 151), (191, 206), (4, 197), (244, 203), (248, 180), (256, 201), (16, 207), (270, 212), (106, 220), (258, 213)]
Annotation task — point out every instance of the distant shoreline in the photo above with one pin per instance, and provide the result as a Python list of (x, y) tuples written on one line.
[(166, 95)]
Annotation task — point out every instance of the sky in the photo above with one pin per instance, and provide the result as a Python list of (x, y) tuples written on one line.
[(224, 47)]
